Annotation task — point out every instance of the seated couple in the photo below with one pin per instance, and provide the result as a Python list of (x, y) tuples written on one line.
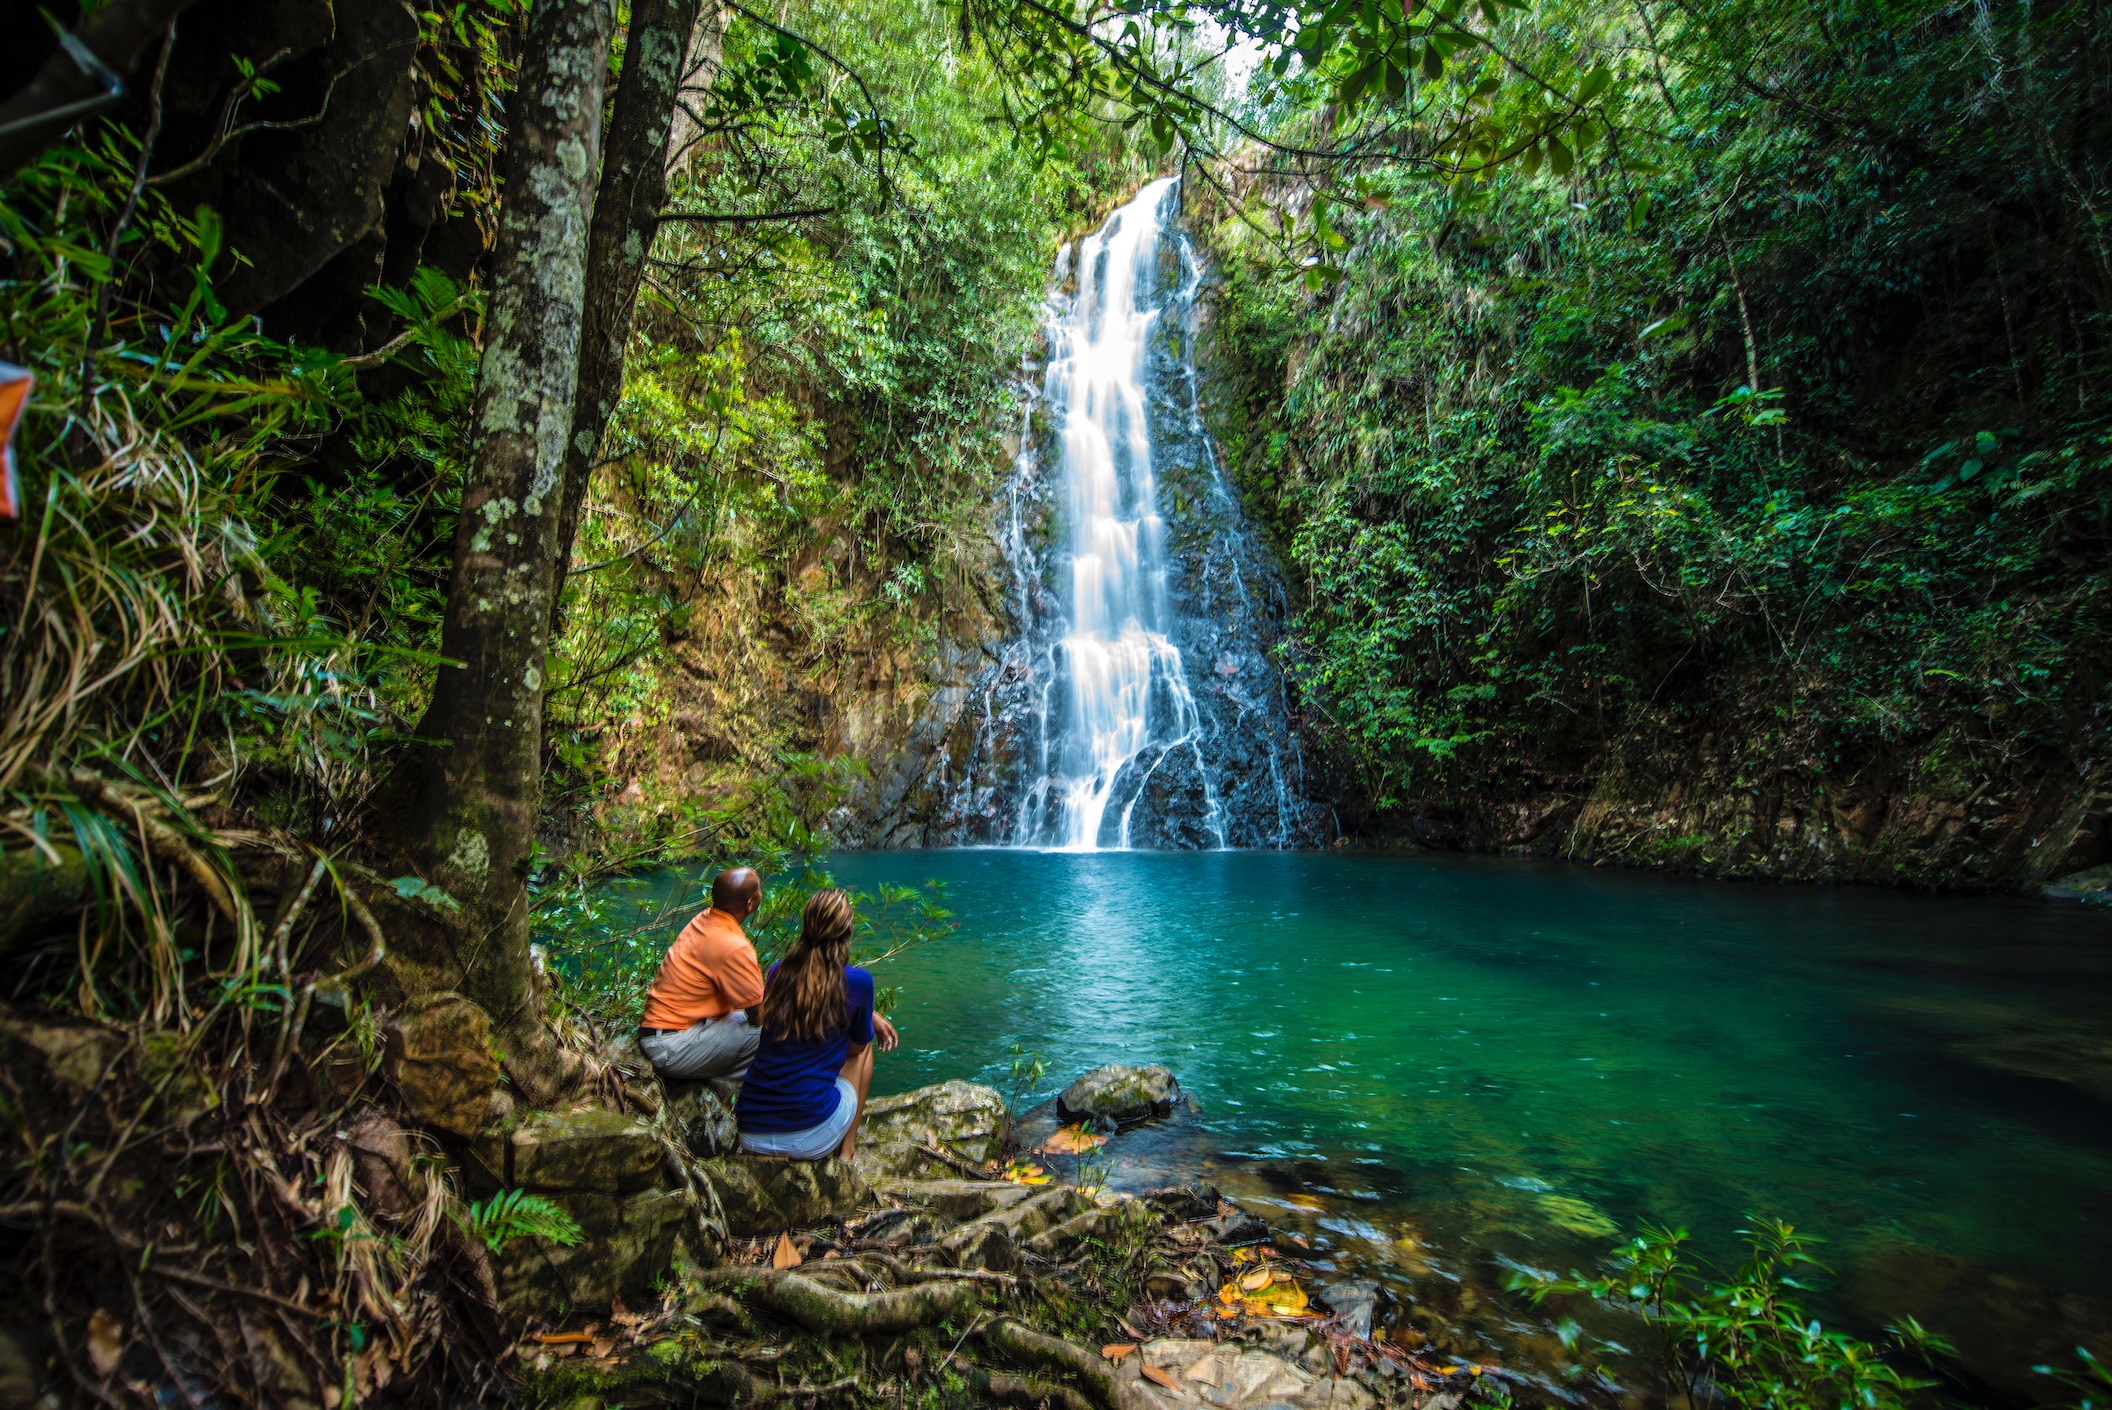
[(798, 1041)]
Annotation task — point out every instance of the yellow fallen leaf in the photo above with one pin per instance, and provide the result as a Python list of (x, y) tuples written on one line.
[(1242, 1255), (1256, 1281), (1074, 1140), (1228, 1294), (785, 1255), (1161, 1378), (1117, 1351)]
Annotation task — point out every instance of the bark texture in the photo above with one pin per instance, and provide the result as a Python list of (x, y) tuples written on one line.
[(467, 809), (626, 215)]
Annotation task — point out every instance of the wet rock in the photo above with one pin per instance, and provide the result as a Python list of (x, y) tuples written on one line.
[(968, 1120), (2092, 885), (1237, 1227), (1355, 1304), (629, 1242), (701, 1120), (1120, 1093), (439, 1059), (607, 1152)]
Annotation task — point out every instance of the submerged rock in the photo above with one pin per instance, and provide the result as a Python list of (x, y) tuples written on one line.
[(1356, 1304), (1121, 1094)]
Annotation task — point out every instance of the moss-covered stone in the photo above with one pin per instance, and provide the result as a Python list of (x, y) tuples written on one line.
[(599, 1150), (767, 1195), (440, 1060), (628, 1244), (1120, 1093), (964, 1118)]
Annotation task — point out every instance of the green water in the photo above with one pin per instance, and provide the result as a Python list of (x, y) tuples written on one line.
[(1444, 1069), (1494, 1056)]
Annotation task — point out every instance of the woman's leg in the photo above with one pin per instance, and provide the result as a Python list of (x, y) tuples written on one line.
[(858, 1071)]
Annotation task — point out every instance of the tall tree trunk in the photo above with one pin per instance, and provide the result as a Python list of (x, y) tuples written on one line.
[(467, 807), (626, 216)]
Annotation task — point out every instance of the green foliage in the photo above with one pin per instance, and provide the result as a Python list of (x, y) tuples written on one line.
[(515, 1214), (1746, 1336), (1761, 420), (2090, 1381), (603, 943), (1026, 1073)]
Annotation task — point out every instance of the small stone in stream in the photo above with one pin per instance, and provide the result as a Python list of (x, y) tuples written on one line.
[(1238, 1227), (439, 1058), (1120, 1093), (1354, 1304)]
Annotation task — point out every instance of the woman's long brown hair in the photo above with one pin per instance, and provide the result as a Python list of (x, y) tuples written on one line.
[(807, 999)]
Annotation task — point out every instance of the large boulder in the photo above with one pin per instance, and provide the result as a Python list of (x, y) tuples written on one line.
[(439, 1058), (1119, 1093), (769, 1194), (608, 1152), (627, 1243), (961, 1118)]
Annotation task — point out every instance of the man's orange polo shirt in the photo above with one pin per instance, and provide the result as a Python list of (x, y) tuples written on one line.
[(710, 971)]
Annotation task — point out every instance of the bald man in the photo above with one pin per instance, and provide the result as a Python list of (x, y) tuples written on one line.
[(695, 1027)]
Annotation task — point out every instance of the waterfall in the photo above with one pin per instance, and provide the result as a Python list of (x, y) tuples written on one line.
[(1123, 684), (1137, 703)]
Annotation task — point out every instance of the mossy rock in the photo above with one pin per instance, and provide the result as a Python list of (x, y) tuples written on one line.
[(610, 1152), (1120, 1093), (963, 1118), (765, 1195), (627, 1244)]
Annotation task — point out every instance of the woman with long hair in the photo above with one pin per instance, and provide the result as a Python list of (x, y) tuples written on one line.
[(806, 1088)]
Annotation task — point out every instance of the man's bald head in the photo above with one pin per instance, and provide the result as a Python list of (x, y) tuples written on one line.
[(737, 891)]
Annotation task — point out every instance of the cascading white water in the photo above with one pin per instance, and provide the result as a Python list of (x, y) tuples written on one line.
[(1125, 690)]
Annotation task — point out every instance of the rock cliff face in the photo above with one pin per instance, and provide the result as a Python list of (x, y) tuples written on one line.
[(1728, 814)]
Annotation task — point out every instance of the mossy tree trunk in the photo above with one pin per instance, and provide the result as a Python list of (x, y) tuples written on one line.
[(467, 804), (626, 217)]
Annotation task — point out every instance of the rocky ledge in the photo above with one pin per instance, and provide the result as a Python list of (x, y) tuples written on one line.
[(942, 1257)]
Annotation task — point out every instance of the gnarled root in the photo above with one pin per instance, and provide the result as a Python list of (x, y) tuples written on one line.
[(1051, 1242), (1109, 1387), (820, 1308), (1025, 1390)]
